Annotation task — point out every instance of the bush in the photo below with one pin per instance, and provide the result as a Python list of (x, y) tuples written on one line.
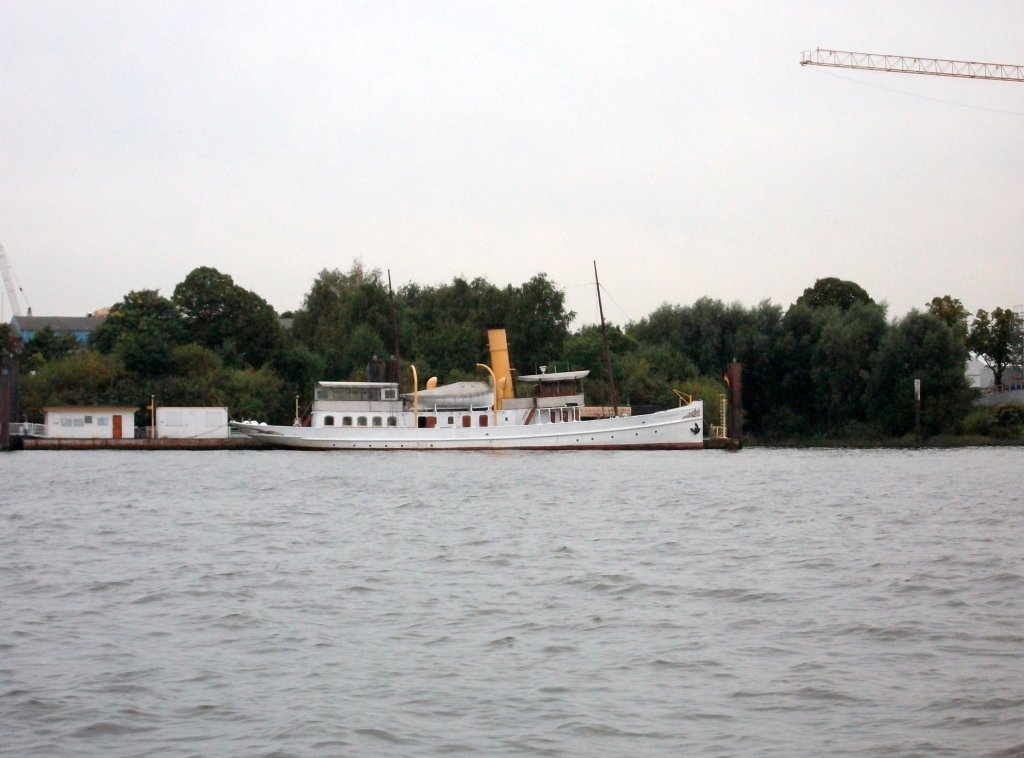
[(1009, 420)]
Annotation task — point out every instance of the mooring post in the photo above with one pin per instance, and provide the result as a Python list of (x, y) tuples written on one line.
[(8, 378), (734, 372)]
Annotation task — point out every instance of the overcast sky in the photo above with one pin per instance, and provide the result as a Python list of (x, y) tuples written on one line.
[(679, 145)]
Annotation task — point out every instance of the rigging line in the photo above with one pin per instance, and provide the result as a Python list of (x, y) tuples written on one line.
[(920, 97), (612, 298)]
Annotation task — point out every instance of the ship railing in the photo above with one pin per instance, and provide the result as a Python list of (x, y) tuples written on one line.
[(25, 429)]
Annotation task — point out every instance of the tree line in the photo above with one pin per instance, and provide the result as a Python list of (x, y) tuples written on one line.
[(830, 366)]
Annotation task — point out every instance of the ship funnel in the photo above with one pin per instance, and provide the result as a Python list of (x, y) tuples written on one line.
[(498, 346)]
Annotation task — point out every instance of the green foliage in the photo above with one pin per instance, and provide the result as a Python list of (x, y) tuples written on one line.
[(650, 373), (196, 378), (256, 394), (710, 390), (1001, 421), (822, 362), (537, 322), (831, 292), (299, 368), (919, 346), (951, 310), (84, 377), (996, 339), (704, 332), (335, 305), (828, 367), (226, 318), (142, 331), (8, 340), (1009, 420), (45, 346), (585, 350)]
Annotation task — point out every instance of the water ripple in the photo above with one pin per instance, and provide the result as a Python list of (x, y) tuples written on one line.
[(260, 603)]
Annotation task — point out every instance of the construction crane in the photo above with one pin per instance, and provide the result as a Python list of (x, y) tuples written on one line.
[(906, 64), (12, 288)]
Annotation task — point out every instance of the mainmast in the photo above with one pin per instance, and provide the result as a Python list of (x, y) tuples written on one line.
[(604, 339), (394, 329)]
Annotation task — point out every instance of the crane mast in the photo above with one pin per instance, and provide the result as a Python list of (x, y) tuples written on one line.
[(906, 64), (12, 288)]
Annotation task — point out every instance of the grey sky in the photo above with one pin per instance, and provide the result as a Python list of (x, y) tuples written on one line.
[(680, 145)]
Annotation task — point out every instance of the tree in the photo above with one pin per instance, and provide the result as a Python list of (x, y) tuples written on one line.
[(334, 306), (231, 320), (142, 330), (919, 346), (84, 377), (704, 332), (996, 340), (9, 342), (196, 378), (820, 366), (831, 291), (45, 346), (841, 363), (298, 367), (951, 311), (537, 321)]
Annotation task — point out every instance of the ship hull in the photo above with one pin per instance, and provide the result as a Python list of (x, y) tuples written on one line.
[(678, 428)]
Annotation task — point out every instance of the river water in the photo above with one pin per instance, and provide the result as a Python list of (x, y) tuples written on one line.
[(767, 602)]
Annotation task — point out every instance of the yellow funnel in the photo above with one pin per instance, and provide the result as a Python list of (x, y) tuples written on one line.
[(498, 346)]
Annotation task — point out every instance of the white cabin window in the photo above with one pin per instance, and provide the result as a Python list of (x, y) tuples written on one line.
[(88, 419), (378, 421), (347, 421), (102, 421), (392, 420), (328, 420), (361, 421)]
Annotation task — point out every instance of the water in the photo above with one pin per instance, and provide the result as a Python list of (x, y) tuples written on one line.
[(563, 604)]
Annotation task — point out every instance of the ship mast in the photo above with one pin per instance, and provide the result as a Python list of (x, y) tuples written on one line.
[(394, 329), (604, 340)]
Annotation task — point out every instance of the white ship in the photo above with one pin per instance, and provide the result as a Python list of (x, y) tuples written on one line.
[(548, 414)]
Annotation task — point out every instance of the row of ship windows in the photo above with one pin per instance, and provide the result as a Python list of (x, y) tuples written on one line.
[(361, 421), (429, 422), (425, 422)]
